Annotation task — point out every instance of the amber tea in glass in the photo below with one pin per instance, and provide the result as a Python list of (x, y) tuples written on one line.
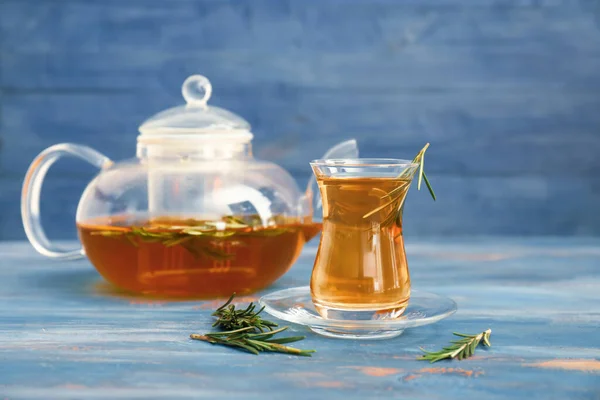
[(360, 270)]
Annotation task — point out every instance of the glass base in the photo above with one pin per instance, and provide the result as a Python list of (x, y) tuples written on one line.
[(359, 314), (352, 334)]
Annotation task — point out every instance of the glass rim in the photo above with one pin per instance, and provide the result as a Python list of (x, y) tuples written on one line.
[(364, 162)]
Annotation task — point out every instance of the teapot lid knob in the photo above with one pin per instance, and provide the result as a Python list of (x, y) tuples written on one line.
[(196, 118), (196, 90)]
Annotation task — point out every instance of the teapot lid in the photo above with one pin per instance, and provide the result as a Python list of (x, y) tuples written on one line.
[(196, 118)]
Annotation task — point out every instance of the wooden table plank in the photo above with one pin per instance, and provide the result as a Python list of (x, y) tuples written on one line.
[(64, 333)]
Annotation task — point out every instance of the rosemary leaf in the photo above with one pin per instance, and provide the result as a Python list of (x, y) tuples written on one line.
[(394, 191), (132, 240), (253, 346), (107, 233), (230, 318), (420, 158), (429, 186), (212, 252), (374, 211), (266, 335), (290, 339), (176, 241), (230, 332), (461, 349), (191, 248), (249, 332), (230, 219), (224, 234), (198, 231)]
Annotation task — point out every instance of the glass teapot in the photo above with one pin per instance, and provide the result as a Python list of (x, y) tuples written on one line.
[(193, 215)]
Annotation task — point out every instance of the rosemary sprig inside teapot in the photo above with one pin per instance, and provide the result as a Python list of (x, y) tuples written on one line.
[(186, 234)]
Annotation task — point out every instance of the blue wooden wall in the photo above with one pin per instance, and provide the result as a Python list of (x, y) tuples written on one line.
[(507, 92)]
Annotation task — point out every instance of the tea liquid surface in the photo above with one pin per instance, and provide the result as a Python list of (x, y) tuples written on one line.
[(165, 257), (361, 264)]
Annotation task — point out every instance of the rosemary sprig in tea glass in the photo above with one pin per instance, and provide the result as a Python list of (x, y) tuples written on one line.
[(187, 235), (398, 193), (245, 330)]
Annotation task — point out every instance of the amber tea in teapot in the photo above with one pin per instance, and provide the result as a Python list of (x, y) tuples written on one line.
[(185, 257)]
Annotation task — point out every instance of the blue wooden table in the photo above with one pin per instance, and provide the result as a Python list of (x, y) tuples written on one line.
[(64, 333)]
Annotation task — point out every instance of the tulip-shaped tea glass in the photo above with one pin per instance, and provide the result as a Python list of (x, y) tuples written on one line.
[(360, 286), (360, 271)]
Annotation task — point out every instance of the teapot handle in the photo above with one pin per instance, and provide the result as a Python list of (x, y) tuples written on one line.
[(30, 195)]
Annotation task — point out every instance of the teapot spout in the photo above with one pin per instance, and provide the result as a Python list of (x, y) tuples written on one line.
[(345, 149)]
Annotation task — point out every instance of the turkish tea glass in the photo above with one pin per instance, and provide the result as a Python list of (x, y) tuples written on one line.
[(361, 271)]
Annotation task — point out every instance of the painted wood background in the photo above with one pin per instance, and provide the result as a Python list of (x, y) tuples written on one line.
[(507, 92), (65, 334)]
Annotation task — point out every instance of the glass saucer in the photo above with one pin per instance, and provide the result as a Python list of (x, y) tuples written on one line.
[(295, 305)]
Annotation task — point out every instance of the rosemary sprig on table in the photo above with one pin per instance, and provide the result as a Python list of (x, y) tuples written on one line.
[(462, 348), (254, 342), (229, 318), (246, 331), (399, 193)]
